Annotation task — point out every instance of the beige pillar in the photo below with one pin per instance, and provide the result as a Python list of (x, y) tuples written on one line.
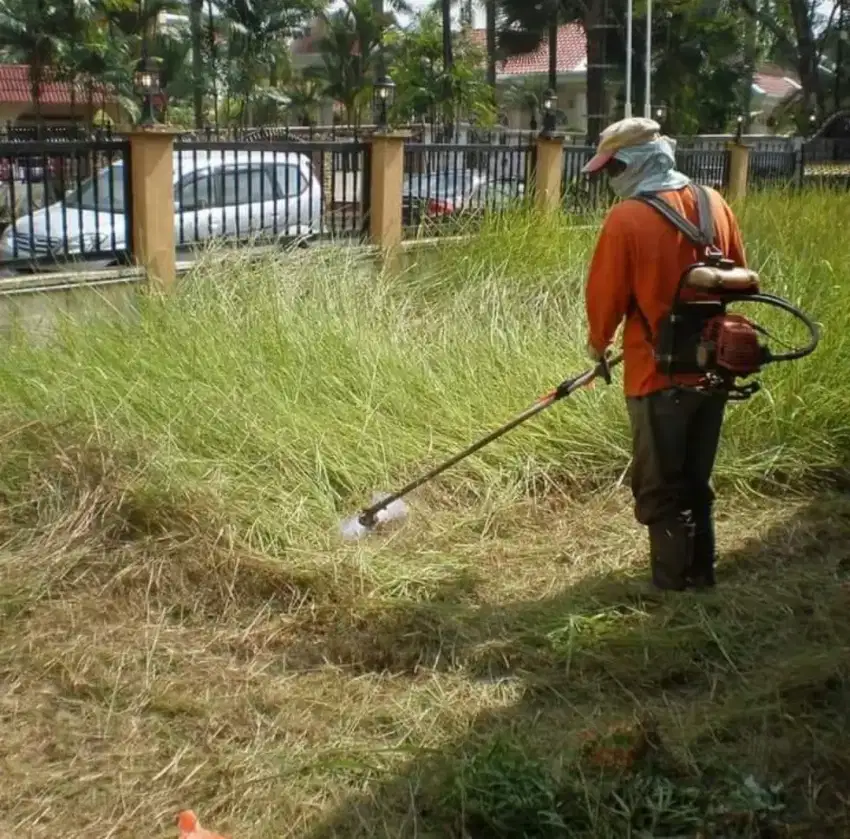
[(385, 190), (739, 164), (549, 173), (152, 185)]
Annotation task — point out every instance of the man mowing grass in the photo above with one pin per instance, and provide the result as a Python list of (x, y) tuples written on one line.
[(639, 259)]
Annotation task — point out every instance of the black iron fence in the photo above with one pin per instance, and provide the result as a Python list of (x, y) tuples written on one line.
[(825, 163), (454, 183), (709, 167), (75, 132), (773, 170), (273, 191), (583, 194), (63, 201)]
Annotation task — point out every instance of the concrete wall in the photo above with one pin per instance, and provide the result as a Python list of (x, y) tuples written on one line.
[(35, 305)]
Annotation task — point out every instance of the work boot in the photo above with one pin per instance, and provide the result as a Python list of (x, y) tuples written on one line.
[(671, 548), (701, 573)]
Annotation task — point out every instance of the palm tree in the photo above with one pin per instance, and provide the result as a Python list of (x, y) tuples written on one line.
[(305, 95), (256, 33), (528, 96), (352, 51), (526, 24), (490, 26)]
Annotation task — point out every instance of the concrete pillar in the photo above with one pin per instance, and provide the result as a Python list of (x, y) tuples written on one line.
[(386, 186), (152, 188), (739, 163), (549, 173)]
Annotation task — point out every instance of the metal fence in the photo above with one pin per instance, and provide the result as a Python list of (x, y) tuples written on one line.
[(709, 167), (825, 163), (445, 182), (773, 170), (268, 191), (583, 194), (64, 201)]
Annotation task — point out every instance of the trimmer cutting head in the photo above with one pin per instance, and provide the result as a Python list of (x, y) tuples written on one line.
[(363, 524)]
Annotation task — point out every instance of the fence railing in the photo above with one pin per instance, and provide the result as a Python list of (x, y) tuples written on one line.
[(586, 194), (772, 169), (64, 201), (583, 194), (271, 191)]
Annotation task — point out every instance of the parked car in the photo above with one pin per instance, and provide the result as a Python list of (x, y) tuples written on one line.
[(421, 193), (216, 194), (445, 195)]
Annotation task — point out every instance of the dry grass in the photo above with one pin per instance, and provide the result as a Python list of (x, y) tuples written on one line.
[(180, 626), (150, 669)]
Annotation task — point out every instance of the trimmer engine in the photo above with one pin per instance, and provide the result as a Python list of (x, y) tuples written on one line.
[(730, 343)]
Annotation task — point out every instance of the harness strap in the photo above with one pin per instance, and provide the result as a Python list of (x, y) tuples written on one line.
[(702, 236)]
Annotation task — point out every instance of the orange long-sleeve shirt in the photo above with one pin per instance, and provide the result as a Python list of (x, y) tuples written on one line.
[(639, 253)]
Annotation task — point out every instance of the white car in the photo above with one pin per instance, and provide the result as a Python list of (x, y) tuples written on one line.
[(217, 193)]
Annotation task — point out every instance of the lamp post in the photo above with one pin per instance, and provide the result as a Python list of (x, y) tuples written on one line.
[(550, 105), (739, 131), (812, 123), (660, 114), (384, 94), (146, 80)]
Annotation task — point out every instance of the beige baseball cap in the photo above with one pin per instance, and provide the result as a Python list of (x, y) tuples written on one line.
[(633, 131)]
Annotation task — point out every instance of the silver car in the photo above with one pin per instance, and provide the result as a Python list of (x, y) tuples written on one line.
[(217, 193)]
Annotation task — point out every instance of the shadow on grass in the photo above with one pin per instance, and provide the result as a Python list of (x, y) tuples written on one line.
[(716, 714)]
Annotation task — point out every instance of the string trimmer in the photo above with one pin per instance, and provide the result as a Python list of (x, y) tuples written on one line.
[(390, 507)]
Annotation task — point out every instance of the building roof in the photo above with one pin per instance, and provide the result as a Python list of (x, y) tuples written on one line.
[(572, 53), (15, 88), (775, 83)]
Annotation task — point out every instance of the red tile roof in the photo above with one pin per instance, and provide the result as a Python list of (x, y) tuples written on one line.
[(15, 88), (572, 53), (776, 83)]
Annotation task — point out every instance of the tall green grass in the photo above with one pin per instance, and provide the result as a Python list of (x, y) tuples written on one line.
[(293, 387)]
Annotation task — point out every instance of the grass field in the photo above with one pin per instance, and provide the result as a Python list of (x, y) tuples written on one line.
[(180, 625)]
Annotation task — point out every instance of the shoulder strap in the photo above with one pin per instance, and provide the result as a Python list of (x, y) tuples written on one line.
[(702, 236)]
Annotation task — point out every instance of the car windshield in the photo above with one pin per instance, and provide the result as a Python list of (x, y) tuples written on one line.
[(102, 194)]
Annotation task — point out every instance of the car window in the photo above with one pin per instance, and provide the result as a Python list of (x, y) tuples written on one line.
[(245, 186), (102, 193), (290, 181), (196, 192)]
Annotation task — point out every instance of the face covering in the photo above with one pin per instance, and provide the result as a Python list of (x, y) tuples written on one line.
[(650, 167)]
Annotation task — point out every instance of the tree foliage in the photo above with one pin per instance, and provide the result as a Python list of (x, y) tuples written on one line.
[(427, 89)]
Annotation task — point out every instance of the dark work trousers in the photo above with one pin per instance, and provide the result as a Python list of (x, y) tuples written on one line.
[(675, 435)]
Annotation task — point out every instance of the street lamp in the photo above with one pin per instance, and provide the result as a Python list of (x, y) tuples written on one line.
[(739, 131), (146, 80), (550, 105), (660, 114), (384, 94)]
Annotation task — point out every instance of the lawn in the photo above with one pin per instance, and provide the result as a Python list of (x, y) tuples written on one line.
[(180, 625)]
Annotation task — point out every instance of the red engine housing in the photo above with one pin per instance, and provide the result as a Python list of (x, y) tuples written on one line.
[(731, 343)]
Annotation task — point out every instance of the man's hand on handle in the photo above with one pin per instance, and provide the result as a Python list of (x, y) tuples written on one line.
[(600, 359)]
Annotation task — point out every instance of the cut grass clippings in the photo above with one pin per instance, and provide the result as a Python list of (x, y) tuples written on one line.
[(181, 627)]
